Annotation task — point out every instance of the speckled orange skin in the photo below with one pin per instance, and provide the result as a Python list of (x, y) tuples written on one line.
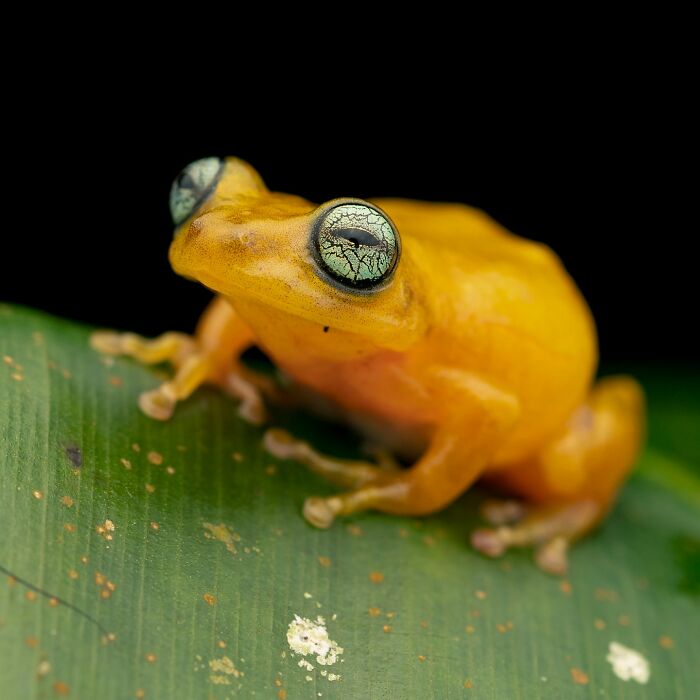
[(479, 353)]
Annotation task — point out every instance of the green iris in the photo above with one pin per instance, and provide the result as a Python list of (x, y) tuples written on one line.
[(192, 187), (356, 244)]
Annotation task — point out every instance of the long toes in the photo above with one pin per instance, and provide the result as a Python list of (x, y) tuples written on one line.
[(253, 412), (157, 404), (321, 512), (279, 443), (489, 542), (107, 342), (497, 512), (551, 556)]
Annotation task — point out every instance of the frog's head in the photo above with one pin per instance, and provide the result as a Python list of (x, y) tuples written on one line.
[(340, 264)]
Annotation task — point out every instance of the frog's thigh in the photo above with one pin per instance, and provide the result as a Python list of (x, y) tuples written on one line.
[(577, 475), (456, 456)]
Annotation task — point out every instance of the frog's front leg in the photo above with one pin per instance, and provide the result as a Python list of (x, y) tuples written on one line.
[(212, 355), (458, 453)]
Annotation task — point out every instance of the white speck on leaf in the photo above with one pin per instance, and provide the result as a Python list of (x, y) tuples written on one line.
[(628, 664), (306, 637)]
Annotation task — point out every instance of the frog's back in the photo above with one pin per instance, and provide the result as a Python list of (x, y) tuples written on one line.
[(503, 306)]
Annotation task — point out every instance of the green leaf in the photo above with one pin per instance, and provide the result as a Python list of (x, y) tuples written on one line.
[(170, 558)]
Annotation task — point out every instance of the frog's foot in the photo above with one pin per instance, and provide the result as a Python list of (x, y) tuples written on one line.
[(150, 351), (177, 348), (252, 406), (502, 512), (321, 512), (344, 472), (550, 529)]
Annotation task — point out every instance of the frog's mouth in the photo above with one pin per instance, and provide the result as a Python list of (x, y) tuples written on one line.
[(309, 299)]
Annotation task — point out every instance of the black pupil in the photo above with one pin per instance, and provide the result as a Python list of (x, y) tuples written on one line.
[(357, 236), (185, 181)]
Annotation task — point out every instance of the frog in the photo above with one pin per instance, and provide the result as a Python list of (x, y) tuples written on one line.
[(459, 351)]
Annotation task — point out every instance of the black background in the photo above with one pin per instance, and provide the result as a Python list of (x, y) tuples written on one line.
[(598, 177)]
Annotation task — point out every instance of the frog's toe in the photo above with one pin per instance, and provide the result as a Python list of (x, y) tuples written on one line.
[(106, 342), (253, 412), (321, 512), (489, 542), (551, 556), (281, 444), (500, 512), (158, 403)]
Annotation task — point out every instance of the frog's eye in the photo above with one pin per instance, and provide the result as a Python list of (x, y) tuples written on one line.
[(356, 244), (192, 187)]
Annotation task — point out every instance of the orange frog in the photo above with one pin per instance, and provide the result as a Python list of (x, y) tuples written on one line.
[(440, 336)]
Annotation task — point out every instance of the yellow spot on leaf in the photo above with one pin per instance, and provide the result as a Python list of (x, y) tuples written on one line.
[(387, 628), (150, 657), (150, 488), (665, 642), (221, 671), (72, 574), (61, 688), (136, 447), (374, 612), (170, 470), (606, 595), (38, 495), (324, 561), (579, 677), (154, 525), (209, 598), (222, 534), (31, 642), (105, 529), (126, 463), (565, 587), (155, 457), (67, 501), (481, 595), (421, 657), (69, 527), (43, 668), (376, 577)]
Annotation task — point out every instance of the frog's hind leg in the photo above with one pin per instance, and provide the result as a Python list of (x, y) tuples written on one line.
[(210, 356), (446, 469), (349, 473), (574, 478)]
